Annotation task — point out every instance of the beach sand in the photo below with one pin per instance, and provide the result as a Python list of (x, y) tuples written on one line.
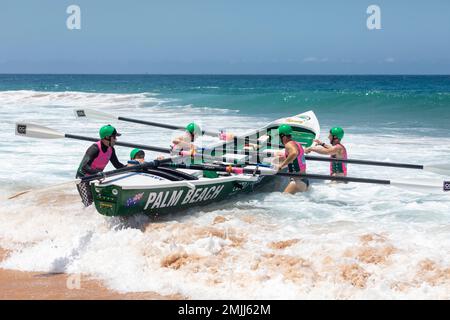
[(18, 285)]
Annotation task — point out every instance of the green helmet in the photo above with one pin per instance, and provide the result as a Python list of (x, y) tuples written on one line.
[(192, 128), (285, 130), (107, 131), (135, 152), (337, 132)]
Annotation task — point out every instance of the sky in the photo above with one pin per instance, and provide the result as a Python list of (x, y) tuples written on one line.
[(225, 37)]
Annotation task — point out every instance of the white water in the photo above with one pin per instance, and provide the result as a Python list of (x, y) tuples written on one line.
[(344, 241)]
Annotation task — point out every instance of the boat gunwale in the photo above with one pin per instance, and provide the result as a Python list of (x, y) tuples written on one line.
[(185, 183)]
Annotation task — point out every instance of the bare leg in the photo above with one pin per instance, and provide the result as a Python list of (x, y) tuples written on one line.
[(294, 187)]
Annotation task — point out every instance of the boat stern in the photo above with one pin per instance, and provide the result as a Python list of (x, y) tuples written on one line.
[(106, 199)]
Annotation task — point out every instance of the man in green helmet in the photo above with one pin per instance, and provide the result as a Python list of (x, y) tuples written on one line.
[(293, 159), (186, 141), (97, 156), (336, 150)]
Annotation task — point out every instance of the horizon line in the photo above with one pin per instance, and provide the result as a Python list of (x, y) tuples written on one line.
[(229, 74)]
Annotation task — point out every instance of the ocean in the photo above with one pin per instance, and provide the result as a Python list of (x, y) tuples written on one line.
[(337, 241)]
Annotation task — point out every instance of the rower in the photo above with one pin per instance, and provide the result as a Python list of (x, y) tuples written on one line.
[(186, 141), (137, 156), (336, 150), (96, 158), (294, 159)]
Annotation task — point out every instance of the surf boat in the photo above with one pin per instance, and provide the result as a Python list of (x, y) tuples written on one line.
[(164, 190)]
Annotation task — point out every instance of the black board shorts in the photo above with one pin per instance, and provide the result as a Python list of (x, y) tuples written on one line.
[(304, 180)]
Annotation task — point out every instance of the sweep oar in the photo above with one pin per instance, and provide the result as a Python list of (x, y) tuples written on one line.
[(415, 185), (94, 114)]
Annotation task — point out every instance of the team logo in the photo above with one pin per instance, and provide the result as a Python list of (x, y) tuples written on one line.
[(106, 205), (300, 119), (307, 118), (21, 129), (80, 113), (446, 185), (295, 121)]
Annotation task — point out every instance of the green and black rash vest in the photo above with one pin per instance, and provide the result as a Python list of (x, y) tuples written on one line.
[(92, 153)]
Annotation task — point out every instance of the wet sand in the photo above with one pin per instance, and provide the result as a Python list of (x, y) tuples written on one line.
[(18, 285)]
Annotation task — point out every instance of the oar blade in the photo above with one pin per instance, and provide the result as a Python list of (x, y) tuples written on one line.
[(421, 185), (443, 169), (94, 114), (32, 130)]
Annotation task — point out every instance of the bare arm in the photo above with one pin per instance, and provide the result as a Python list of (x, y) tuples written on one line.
[(292, 154), (182, 143), (326, 150)]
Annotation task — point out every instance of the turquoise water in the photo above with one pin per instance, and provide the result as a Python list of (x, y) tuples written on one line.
[(418, 104)]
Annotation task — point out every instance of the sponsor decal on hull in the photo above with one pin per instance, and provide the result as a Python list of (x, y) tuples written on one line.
[(173, 198), (239, 186), (105, 205)]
